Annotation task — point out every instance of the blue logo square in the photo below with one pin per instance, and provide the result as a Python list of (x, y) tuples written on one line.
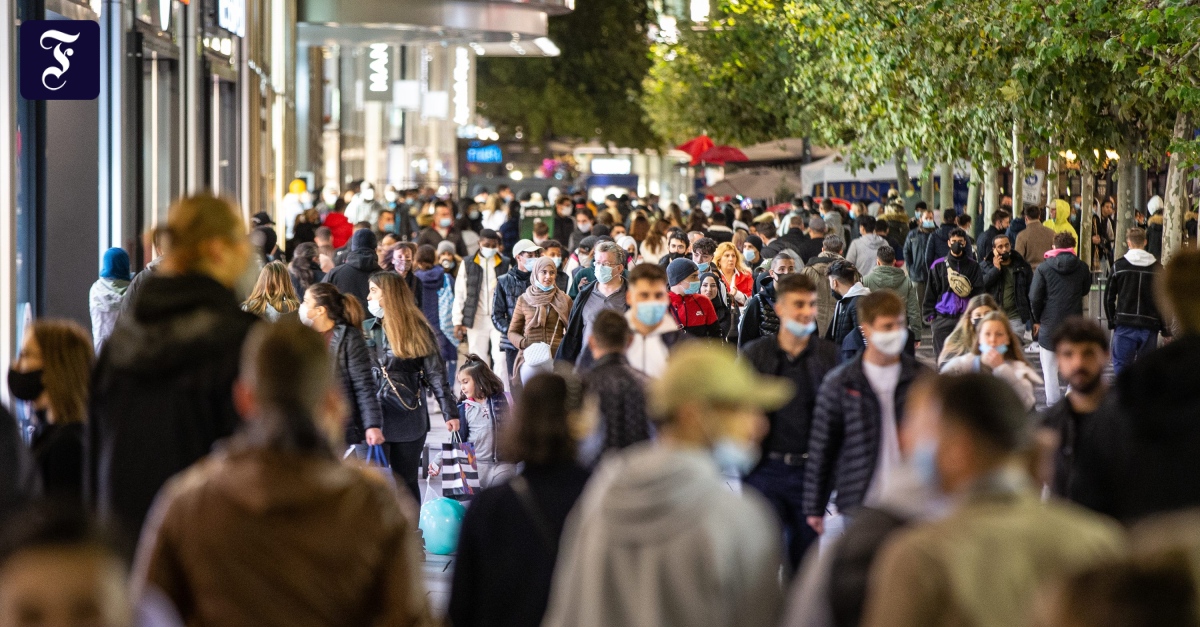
[(60, 60)]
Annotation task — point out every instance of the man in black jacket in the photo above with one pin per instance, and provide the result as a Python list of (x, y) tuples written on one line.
[(846, 284), (798, 354), (618, 389), (1057, 292), (1129, 305), (1143, 455), (938, 245), (162, 390), (952, 281), (606, 292), (854, 444), (354, 276), (792, 240), (1000, 221), (1007, 277), (758, 318), (508, 289)]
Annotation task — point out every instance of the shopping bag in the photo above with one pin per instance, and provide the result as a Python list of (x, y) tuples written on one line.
[(441, 523), (460, 471), (377, 461)]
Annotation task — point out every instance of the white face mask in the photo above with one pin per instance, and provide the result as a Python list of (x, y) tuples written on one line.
[(303, 312), (330, 199), (890, 343), (368, 194), (375, 308), (486, 252), (390, 195)]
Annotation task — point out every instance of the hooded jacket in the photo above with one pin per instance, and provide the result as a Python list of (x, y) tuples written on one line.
[(938, 283), (162, 392), (938, 245), (892, 278), (1062, 221), (759, 318), (993, 283), (1137, 455), (307, 541), (1154, 235), (658, 539), (433, 281), (818, 271), (864, 251), (845, 314), (1057, 292), (104, 303), (340, 229), (914, 251), (1129, 296), (354, 276)]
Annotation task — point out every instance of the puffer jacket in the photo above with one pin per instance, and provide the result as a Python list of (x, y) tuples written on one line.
[(938, 245), (104, 303), (162, 392), (993, 283), (818, 271), (522, 332), (843, 445), (759, 318), (1129, 297), (354, 276), (473, 270), (892, 278), (354, 365), (433, 281), (1059, 286), (408, 420), (508, 289), (914, 251), (845, 314)]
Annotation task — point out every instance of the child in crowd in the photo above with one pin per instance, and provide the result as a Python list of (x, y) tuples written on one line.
[(483, 408)]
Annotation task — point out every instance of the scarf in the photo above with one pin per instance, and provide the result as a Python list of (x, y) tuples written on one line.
[(542, 301)]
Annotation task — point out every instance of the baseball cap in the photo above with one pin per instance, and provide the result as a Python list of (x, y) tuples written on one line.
[(525, 246), (261, 219), (708, 374)]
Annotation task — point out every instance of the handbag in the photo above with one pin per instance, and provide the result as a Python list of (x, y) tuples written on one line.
[(398, 397), (378, 462), (460, 470)]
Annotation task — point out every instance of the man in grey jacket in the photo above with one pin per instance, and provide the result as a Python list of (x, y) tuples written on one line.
[(658, 538)]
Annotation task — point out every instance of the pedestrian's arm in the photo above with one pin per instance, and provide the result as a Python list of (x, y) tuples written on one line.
[(907, 587), (500, 309), (460, 292), (750, 326), (911, 299), (991, 276), (157, 567), (824, 444), (1111, 291), (1037, 296), (362, 379), (516, 329), (932, 292)]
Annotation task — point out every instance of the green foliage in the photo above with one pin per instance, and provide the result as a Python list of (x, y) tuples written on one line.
[(592, 91)]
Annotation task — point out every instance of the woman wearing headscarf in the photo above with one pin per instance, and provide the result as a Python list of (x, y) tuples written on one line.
[(542, 311), (107, 293)]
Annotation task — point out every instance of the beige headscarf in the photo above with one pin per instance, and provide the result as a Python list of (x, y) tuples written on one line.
[(541, 300)]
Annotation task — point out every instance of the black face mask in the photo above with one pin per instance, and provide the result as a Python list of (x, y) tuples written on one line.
[(956, 249), (25, 386), (1004, 257), (836, 296), (674, 256)]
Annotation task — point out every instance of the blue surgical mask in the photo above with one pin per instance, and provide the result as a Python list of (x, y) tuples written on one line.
[(924, 464), (604, 274), (702, 266), (984, 348), (557, 261), (799, 330), (651, 314), (545, 288), (748, 255), (853, 214), (927, 224), (735, 456), (693, 288), (445, 222)]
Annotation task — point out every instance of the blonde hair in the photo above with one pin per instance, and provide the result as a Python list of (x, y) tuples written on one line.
[(962, 339), (739, 263), (1014, 352), (67, 359), (405, 326), (274, 288), (196, 220)]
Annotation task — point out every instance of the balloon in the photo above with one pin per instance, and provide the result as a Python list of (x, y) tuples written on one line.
[(441, 520)]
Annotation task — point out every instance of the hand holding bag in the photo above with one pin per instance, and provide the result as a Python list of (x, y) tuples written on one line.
[(377, 460)]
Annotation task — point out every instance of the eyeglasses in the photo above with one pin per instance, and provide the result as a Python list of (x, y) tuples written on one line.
[(610, 265)]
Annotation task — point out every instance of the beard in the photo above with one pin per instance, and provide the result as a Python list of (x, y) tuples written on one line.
[(1086, 386)]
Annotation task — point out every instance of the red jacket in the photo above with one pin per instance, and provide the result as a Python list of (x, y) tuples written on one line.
[(693, 312), (340, 227)]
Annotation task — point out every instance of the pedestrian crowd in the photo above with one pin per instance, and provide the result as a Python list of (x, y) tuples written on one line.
[(715, 417)]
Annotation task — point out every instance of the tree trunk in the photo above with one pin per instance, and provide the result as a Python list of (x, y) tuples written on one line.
[(1176, 199), (991, 191), (902, 182), (1087, 192), (947, 176), (1018, 170), (973, 190), (1125, 184), (927, 183), (1052, 175)]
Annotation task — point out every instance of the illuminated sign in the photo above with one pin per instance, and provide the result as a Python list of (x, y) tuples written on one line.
[(379, 74), (231, 15), (490, 153), (611, 166), (462, 86)]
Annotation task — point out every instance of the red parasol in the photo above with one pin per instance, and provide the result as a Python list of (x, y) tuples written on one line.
[(695, 147), (723, 154)]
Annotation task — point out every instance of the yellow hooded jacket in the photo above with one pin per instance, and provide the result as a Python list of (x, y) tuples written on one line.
[(1060, 222)]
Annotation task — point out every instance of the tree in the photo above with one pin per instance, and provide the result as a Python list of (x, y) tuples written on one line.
[(593, 90)]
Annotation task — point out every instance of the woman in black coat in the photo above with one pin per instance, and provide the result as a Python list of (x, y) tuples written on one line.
[(404, 346), (509, 539), (339, 318)]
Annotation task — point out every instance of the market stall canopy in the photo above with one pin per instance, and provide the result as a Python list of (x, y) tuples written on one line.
[(756, 183)]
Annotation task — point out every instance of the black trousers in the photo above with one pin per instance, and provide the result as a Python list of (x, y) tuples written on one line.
[(942, 326), (405, 459)]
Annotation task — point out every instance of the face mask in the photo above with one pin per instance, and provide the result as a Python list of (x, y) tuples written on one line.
[(956, 249), (585, 260), (853, 214), (445, 222), (693, 288), (702, 266), (984, 348), (368, 194), (890, 343), (650, 314), (748, 255), (303, 313), (798, 329), (25, 386), (448, 264), (735, 456), (545, 288), (924, 464), (565, 211), (475, 215), (390, 196), (836, 296), (927, 224), (604, 274), (400, 264), (330, 199), (486, 252), (557, 261), (375, 308), (586, 227)]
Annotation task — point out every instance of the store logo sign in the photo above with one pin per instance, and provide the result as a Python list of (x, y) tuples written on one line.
[(60, 60), (379, 72)]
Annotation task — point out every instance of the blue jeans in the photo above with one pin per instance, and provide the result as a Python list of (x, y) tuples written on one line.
[(783, 487), (1130, 344)]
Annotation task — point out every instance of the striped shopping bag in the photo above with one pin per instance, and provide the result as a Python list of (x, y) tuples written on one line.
[(460, 474)]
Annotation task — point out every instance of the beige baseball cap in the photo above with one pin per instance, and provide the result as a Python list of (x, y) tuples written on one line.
[(707, 373)]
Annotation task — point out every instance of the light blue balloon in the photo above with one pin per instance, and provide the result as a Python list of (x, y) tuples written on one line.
[(441, 521)]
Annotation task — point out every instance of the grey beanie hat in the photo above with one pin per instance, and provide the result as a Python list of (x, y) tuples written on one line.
[(680, 269)]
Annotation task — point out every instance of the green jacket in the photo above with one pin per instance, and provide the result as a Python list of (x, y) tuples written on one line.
[(894, 279)]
